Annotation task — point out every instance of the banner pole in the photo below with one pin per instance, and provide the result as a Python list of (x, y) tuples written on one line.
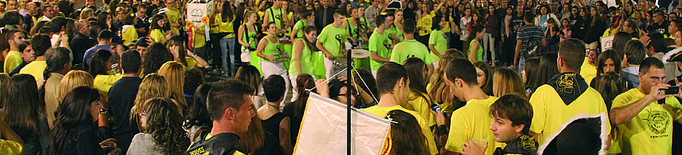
[(349, 92)]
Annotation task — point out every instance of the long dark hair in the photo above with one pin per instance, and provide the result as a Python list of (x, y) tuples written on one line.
[(435, 24), (177, 40), (548, 68), (98, 62), (303, 82), (472, 35), (532, 68), (73, 111), (403, 130), (164, 123), (307, 30), (157, 55), (606, 55), (154, 23), (415, 72), (227, 14), (487, 87), (21, 110), (198, 113), (249, 75), (102, 20)]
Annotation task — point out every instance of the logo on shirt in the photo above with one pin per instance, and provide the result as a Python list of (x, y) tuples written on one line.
[(565, 83), (658, 121)]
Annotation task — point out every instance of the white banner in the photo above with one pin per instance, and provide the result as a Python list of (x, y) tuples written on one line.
[(195, 11), (323, 129), (606, 43)]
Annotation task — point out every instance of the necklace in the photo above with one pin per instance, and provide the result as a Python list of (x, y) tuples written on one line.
[(272, 106)]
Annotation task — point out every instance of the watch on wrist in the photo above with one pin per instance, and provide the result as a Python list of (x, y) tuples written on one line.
[(103, 111)]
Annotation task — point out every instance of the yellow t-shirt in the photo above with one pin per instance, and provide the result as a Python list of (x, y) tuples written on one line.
[(651, 131), (551, 114), (129, 34), (35, 68), (157, 34), (10, 147), (12, 60), (471, 122), (225, 27), (199, 39), (208, 136), (588, 71), (422, 106), (103, 82), (190, 63), (173, 15), (424, 22), (382, 111)]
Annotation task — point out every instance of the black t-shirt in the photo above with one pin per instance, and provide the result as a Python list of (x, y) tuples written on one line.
[(121, 100), (660, 28)]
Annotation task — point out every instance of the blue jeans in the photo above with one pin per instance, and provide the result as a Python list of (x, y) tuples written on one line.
[(228, 51), (522, 64)]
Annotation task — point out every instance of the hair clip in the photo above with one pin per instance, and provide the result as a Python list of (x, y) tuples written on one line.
[(390, 119)]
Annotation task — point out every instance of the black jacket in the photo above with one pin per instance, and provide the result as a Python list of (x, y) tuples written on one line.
[(220, 144)]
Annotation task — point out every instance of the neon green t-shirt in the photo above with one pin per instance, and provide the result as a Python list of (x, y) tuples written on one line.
[(651, 131), (332, 38), (437, 38), (12, 60), (35, 68), (299, 26), (471, 122), (382, 111), (551, 114), (306, 59), (408, 49), (271, 48), (479, 51), (250, 37), (276, 16), (393, 30), (379, 43)]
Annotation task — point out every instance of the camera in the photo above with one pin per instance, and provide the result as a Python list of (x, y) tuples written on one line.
[(672, 90)]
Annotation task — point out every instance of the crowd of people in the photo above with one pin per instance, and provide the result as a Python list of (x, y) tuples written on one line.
[(453, 77)]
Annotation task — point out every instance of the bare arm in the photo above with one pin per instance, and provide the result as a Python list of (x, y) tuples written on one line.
[(378, 58), (285, 136), (516, 52), (298, 49), (266, 19), (261, 47), (433, 49), (200, 61), (473, 52), (9, 134), (319, 46), (623, 114), (240, 34), (293, 33)]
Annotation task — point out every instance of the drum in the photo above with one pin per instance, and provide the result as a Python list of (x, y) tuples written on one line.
[(359, 53)]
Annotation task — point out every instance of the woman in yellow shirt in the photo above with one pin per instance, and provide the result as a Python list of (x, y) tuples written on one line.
[(156, 32), (418, 99), (424, 25), (100, 66), (224, 20), (188, 59)]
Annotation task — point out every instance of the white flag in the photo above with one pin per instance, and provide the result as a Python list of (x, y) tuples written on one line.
[(323, 129)]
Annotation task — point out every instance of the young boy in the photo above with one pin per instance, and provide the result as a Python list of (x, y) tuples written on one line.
[(512, 115)]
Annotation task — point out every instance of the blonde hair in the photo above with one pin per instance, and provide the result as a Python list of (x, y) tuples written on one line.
[(507, 81), (153, 85), (437, 88), (174, 73), (87, 13), (73, 79)]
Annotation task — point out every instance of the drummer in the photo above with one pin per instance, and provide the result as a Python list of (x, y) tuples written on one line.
[(302, 56), (379, 43), (331, 42)]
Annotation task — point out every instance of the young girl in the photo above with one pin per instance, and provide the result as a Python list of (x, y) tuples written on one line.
[(157, 34), (475, 49), (552, 35), (248, 39), (356, 27), (464, 24), (306, 18), (424, 25), (268, 50), (302, 56), (129, 31), (437, 41), (565, 30)]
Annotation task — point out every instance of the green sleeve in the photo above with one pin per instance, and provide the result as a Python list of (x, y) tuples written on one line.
[(374, 42), (322, 37), (433, 38), (395, 56)]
